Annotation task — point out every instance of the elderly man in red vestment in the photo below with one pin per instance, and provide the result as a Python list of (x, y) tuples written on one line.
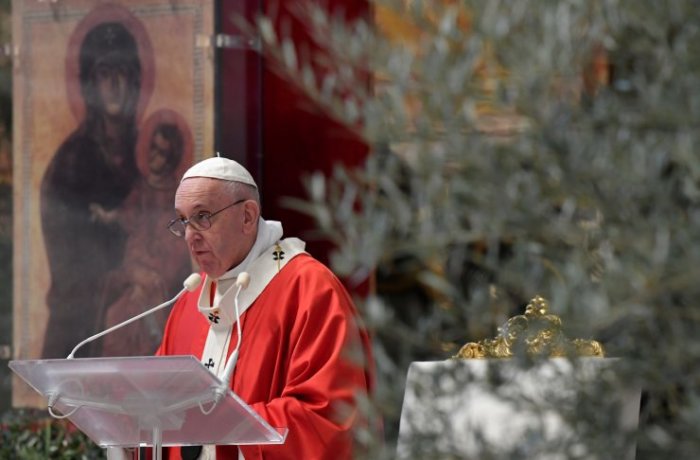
[(303, 360)]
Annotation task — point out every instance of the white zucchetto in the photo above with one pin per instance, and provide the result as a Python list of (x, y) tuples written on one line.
[(220, 168)]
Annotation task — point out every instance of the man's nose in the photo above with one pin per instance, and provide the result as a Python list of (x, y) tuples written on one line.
[(191, 233)]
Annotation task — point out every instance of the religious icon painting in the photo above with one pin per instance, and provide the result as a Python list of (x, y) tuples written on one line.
[(112, 102)]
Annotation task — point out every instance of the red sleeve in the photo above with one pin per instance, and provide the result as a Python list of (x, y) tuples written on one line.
[(328, 370)]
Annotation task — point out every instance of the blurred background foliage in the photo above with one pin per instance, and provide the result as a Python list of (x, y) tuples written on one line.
[(518, 148), (33, 435)]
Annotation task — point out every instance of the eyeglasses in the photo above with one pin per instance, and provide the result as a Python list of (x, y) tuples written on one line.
[(200, 221)]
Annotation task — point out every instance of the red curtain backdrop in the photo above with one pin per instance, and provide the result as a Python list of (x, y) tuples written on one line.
[(285, 137)]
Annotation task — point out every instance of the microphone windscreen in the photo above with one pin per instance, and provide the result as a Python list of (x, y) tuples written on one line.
[(243, 280), (192, 281)]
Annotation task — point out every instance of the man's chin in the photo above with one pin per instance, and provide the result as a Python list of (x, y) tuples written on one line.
[(211, 272)]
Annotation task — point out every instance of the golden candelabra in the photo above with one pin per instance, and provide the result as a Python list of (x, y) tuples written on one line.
[(537, 332)]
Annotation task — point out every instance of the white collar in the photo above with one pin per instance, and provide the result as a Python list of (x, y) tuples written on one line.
[(269, 232)]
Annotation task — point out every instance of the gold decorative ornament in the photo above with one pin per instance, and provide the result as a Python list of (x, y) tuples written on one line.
[(536, 332)]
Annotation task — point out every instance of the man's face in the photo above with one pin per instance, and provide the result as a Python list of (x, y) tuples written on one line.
[(227, 242)]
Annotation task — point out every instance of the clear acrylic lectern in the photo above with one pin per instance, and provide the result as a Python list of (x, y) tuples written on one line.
[(146, 401)]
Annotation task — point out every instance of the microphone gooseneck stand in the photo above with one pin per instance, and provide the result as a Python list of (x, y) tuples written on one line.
[(190, 284)]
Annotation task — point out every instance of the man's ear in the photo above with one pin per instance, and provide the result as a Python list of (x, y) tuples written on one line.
[(251, 213)]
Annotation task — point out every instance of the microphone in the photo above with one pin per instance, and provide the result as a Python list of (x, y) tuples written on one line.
[(242, 282), (190, 284)]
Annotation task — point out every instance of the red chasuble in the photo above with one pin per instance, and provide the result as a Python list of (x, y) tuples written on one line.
[(303, 361)]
